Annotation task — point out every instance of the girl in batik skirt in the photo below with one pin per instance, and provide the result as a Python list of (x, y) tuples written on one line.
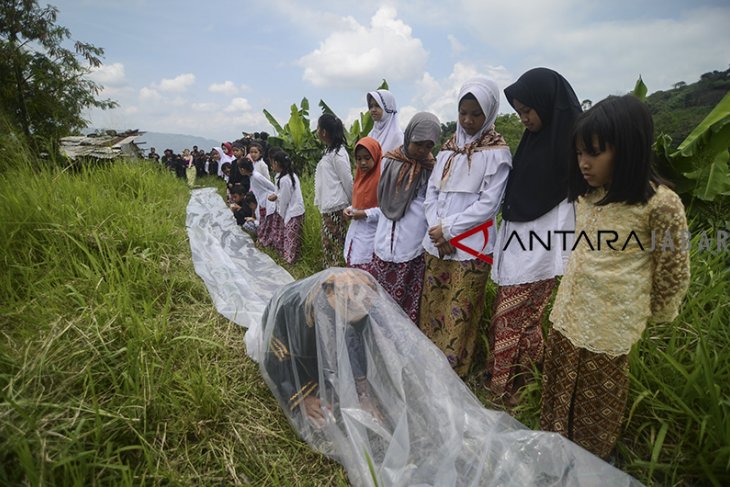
[(398, 262), (608, 295), (464, 192), (290, 208), (535, 205), (332, 189)]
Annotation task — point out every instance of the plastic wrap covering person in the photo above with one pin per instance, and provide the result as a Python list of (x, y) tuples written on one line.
[(364, 386)]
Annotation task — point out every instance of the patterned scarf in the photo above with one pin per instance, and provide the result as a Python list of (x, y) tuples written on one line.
[(491, 139)]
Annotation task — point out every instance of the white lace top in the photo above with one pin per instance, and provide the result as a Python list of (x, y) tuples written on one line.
[(607, 296)]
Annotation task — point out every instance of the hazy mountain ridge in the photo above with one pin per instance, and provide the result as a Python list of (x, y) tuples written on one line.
[(177, 142)]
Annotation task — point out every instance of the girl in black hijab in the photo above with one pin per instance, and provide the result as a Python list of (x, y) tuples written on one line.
[(528, 253)]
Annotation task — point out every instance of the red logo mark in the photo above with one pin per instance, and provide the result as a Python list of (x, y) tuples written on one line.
[(479, 254)]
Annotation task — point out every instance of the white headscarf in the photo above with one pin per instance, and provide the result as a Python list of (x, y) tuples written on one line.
[(224, 158), (462, 168), (387, 131), (486, 91)]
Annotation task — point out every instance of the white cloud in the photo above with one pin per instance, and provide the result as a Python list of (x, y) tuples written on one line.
[(219, 125), (456, 46), (405, 114), (352, 115), (238, 104), (359, 56), (663, 51), (131, 110), (440, 96), (204, 107), (227, 88), (108, 74), (148, 94), (177, 84), (596, 52)]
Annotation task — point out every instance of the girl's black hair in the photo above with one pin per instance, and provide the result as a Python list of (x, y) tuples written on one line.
[(624, 123), (468, 96), (256, 144), (271, 153), (335, 131), (285, 163), (237, 189), (246, 165), (250, 198)]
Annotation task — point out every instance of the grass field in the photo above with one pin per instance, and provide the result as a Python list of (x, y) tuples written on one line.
[(115, 368)]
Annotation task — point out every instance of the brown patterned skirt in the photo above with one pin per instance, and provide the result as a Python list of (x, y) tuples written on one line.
[(402, 280), (584, 394), (275, 232), (292, 239), (452, 306), (262, 232), (515, 337), (333, 232)]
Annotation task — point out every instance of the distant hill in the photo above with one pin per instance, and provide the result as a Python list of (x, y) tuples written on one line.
[(177, 142), (677, 111)]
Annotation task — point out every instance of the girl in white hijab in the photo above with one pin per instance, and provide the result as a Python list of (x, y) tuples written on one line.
[(383, 110), (464, 191), (224, 158)]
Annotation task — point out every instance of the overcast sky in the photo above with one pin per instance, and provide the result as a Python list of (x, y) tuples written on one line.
[(209, 67)]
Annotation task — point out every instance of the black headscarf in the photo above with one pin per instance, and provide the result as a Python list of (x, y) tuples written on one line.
[(539, 177)]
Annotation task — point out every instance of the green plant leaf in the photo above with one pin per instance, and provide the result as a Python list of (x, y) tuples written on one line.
[(713, 179), (353, 135), (640, 89), (297, 127), (366, 123), (273, 122), (325, 108), (383, 85), (304, 111), (713, 130), (703, 155)]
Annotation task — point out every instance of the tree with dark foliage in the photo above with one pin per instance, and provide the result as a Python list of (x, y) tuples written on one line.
[(43, 85)]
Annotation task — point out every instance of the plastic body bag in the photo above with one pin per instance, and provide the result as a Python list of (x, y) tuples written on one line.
[(361, 384), (240, 278)]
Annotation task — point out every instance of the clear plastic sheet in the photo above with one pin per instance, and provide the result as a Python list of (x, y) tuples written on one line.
[(240, 278), (362, 384), (336, 343)]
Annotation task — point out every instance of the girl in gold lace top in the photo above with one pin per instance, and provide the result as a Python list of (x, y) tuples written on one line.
[(629, 266)]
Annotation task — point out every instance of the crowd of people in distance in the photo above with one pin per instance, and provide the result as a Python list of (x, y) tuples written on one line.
[(191, 164), (397, 217)]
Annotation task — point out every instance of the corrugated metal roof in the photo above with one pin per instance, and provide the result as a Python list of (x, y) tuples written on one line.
[(104, 146)]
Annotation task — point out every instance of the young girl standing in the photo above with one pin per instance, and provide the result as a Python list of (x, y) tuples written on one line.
[(332, 188), (384, 112), (262, 188), (398, 263), (290, 207), (256, 154), (267, 212), (610, 291), (188, 162), (535, 204), (465, 190), (364, 211)]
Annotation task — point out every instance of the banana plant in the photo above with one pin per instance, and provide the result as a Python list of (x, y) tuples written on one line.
[(699, 166), (703, 156), (296, 137), (302, 143)]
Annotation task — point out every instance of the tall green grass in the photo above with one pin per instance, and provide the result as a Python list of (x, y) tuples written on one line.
[(678, 431), (116, 369)]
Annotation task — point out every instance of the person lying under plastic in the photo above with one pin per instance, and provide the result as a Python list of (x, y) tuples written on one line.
[(363, 385)]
